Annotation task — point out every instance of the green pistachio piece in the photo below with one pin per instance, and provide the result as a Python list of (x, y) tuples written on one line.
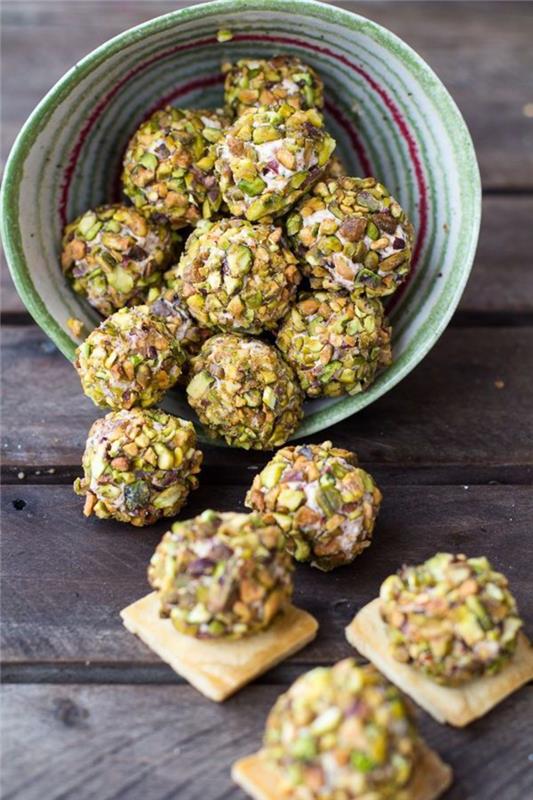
[(199, 385)]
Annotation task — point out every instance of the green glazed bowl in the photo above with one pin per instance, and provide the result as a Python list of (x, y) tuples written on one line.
[(390, 114)]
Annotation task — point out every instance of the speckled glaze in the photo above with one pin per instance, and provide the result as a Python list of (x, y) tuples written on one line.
[(390, 114)]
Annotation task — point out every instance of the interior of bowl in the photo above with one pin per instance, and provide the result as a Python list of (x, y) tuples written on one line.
[(390, 115)]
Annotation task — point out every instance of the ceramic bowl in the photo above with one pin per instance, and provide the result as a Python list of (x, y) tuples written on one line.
[(390, 114)]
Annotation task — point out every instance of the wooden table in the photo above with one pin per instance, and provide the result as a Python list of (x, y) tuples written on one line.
[(89, 712)]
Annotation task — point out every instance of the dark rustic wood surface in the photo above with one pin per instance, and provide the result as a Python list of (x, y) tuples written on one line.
[(87, 571), (88, 711)]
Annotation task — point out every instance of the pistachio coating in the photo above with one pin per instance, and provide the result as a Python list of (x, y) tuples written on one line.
[(342, 732), (270, 82), (269, 158), (139, 465), (352, 235), (244, 392), (131, 359), (452, 617), (335, 344), (326, 505), (168, 166), (222, 575), (113, 256), (186, 330), (236, 276)]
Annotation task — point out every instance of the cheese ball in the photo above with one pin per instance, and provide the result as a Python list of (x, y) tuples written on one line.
[(452, 617), (326, 505), (335, 344), (261, 82), (168, 166), (269, 158), (113, 256), (352, 235), (342, 732), (244, 392), (138, 466), (131, 359), (222, 575), (235, 276)]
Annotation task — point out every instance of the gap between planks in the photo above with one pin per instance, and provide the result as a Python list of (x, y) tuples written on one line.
[(126, 674), (394, 474)]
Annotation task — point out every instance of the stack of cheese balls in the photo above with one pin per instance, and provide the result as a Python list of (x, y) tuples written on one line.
[(277, 291)]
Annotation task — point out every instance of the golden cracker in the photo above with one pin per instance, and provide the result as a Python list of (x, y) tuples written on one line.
[(457, 706), (219, 668), (263, 781)]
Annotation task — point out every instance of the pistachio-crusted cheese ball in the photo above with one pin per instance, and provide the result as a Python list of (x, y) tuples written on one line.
[(244, 392), (323, 501), (269, 158), (131, 359), (139, 465), (352, 235), (168, 166), (342, 732), (113, 255), (452, 617), (283, 79), (236, 276), (186, 330), (335, 344), (222, 575)]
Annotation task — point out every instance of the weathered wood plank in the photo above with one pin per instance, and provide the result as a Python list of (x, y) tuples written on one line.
[(501, 281), (502, 278), (65, 578), (163, 742), (448, 411), (489, 82)]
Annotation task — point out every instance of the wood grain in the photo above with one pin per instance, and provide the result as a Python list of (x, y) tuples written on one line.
[(430, 443), (162, 742), (423, 421), (500, 280), (66, 578)]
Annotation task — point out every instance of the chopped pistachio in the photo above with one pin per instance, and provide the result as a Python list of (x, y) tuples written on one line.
[(224, 35), (222, 575), (283, 79), (75, 326), (236, 276), (130, 360), (451, 617), (121, 262), (375, 251), (269, 158), (324, 502), (335, 344), (342, 731), (168, 166), (120, 479), (244, 392), (189, 334)]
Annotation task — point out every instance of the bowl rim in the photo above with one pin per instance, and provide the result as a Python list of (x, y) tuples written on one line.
[(10, 228)]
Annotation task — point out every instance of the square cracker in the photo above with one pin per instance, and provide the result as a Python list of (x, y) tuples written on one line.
[(456, 705), (219, 668), (262, 781)]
